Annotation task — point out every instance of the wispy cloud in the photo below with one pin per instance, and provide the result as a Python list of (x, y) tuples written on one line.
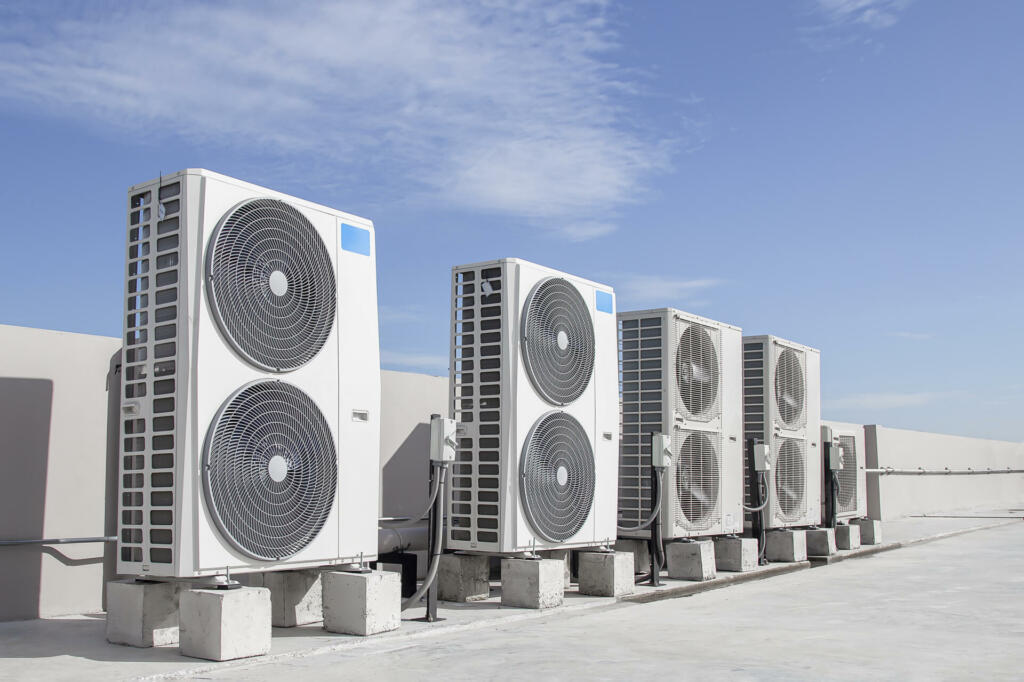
[(434, 363), (888, 401), (912, 336), (509, 107), (633, 290), (840, 22)]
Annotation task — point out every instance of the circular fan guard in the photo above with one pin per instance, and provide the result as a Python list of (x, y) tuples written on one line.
[(697, 370), (697, 479), (789, 386), (558, 341), (271, 284), (556, 477), (848, 475), (789, 479), (270, 470)]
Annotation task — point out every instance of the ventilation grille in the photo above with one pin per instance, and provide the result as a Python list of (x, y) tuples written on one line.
[(558, 341), (148, 377), (271, 284), (641, 341), (753, 408), (789, 387), (270, 470), (697, 479), (698, 371), (476, 403), (556, 477), (789, 479), (848, 476)]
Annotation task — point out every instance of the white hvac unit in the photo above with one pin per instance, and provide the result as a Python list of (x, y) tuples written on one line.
[(681, 377), (852, 498), (533, 384), (782, 408), (251, 383)]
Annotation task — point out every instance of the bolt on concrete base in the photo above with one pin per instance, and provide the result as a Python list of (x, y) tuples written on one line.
[(362, 603), (463, 577), (532, 583), (641, 551), (142, 614), (296, 597), (848, 536), (606, 574), (691, 560), (821, 541), (563, 555), (870, 531), (785, 545), (737, 555), (222, 625)]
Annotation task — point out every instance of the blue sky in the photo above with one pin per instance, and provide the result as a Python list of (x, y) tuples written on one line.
[(844, 173)]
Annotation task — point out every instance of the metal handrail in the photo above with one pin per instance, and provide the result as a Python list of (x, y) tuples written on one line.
[(921, 471)]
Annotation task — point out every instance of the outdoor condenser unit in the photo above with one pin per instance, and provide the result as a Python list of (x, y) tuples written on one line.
[(852, 500)]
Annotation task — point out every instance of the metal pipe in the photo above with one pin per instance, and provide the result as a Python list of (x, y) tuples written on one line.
[(59, 541), (921, 471), (409, 539)]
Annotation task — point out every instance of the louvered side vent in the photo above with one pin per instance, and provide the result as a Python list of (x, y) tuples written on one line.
[(476, 401), (753, 406), (149, 376), (641, 343), (848, 476)]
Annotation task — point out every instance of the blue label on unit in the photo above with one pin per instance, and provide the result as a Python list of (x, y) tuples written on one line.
[(604, 301), (355, 239)]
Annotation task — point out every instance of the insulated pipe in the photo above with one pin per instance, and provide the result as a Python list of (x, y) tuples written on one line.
[(59, 541), (409, 539), (920, 471)]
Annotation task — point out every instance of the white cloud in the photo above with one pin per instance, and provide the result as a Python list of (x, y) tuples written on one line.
[(507, 107), (913, 336), (888, 401), (635, 290), (435, 363), (842, 22)]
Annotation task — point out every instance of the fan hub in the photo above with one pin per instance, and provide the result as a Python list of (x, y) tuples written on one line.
[(277, 468), (562, 475), (278, 283), (562, 339)]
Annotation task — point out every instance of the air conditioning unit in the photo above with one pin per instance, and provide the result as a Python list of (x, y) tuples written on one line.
[(533, 384), (782, 408), (681, 376), (852, 502), (251, 383)]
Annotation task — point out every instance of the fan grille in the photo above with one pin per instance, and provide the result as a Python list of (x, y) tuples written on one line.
[(556, 477), (697, 479), (558, 341), (789, 480), (697, 371), (848, 475), (271, 284), (270, 470), (789, 387)]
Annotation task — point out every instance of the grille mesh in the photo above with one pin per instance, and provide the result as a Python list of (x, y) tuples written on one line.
[(270, 470), (790, 475), (697, 480), (558, 341), (789, 387), (698, 372), (848, 476), (271, 284), (556, 477)]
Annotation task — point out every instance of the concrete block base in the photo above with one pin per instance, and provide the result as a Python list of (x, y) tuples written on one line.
[(785, 545), (848, 537), (222, 625), (641, 551), (870, 531), (296, 597), (463, 577), (606, 574), (362, 603), (142, 614), (691, 560), (821, 541), (736, 554), (563, 555), (532, 583)]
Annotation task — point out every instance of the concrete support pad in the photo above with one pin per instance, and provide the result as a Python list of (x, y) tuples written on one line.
[(870, 531), (738, 555), (641, 550), (532, 583), (296, 597), (142, 613), (222, 625), (463, 577), (563, 555), (606, 574), (848, 536), (691, 560), (821, 542), (362, 603), (785, 545)]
